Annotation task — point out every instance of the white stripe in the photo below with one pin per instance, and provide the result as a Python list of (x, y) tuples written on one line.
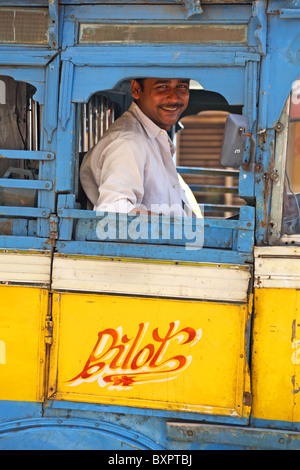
[(25, 268), (277, 267), (156, 279)]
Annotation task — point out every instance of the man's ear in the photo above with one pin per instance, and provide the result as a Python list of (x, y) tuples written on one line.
[(135, 89)]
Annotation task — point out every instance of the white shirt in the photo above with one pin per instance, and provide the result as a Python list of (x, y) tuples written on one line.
[(132, 165)]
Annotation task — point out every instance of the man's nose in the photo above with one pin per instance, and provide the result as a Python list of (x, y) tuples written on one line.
[(172, 95)]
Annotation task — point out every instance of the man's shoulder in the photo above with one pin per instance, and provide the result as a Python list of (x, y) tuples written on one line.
[(125, 127)]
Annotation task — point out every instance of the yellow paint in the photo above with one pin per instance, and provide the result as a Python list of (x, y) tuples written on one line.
[(22, 349), (276, 355), (2, 352), (212, 335)]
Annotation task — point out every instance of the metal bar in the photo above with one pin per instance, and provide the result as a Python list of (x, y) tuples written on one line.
[(220, 207), (53, 28), (112, 113), (90, 124), (92, 215), (213, 189), (24, 211), (101, 116), (27, 154), (83, 128), (29, 125), (185, 170), (35, 126), (236, 436), (161, 252), (288, 13), (96, 118), (106, 114), (24, 242), (25, 184)]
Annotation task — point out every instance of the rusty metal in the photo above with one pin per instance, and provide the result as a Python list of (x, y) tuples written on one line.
[(49, 330), (53, 228), (53, 28), (193, 7)]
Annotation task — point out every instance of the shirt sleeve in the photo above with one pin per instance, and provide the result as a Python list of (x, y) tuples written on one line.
[(120, 177)]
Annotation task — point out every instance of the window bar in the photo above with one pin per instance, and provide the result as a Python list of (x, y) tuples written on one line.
[(96, 118), (106, 114), (29, 125), (83, 128), (90, 124), (112, 113), (101, 116), (35, 126)]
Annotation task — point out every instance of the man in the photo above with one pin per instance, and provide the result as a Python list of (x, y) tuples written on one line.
[(131, 168)]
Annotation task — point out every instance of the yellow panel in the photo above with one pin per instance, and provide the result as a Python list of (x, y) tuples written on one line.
[(276, 355), (22, 349), (145, 352)]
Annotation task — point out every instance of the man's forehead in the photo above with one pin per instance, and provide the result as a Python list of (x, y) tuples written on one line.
[(168, 80)]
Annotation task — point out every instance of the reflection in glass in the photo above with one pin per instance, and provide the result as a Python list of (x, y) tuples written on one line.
[(291, 212)]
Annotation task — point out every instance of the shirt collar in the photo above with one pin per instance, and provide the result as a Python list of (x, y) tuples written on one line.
[(150, 127)]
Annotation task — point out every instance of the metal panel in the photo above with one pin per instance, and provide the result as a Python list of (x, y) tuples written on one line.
[(24, 26), (22, 321), (152, 353), (74, 433), (25, 268), (254, 439), (156, 279), (277, 267), (160, 33), (275, 358), (276, 337)]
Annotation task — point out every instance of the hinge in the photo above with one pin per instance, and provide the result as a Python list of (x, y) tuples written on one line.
[(272, 175), (53, 227), (53, 29), (193, 7), (49, 330)]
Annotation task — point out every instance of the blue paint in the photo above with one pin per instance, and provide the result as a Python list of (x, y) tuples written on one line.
[(257, 76), (70, 434)]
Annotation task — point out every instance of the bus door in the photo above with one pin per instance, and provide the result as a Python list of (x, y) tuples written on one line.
[(152, 314), (29, 80), (275, 354)]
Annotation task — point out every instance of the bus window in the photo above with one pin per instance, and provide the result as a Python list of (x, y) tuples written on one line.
[(199, 144), (19, 139), (20, 129), (291, 200), (198, 139), (94, 118)]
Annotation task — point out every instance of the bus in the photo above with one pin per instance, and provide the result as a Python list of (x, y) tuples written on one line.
[(125, 332)]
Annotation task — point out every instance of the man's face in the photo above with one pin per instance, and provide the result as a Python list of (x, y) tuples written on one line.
[(162, 100)]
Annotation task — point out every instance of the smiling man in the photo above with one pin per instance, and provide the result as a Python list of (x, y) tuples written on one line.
[(131, 168)]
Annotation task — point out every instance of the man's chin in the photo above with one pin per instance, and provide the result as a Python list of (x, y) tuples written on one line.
[(170, 119)]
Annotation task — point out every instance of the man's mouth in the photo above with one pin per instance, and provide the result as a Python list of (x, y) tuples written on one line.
[(171, 108)]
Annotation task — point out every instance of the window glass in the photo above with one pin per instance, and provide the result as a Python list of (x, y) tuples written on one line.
[(19, 130), (291, 210)]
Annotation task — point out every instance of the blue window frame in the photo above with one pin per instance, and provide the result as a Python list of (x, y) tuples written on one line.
[(89, 68)]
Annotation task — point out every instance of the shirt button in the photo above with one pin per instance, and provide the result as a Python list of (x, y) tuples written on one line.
[(175, 186)]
